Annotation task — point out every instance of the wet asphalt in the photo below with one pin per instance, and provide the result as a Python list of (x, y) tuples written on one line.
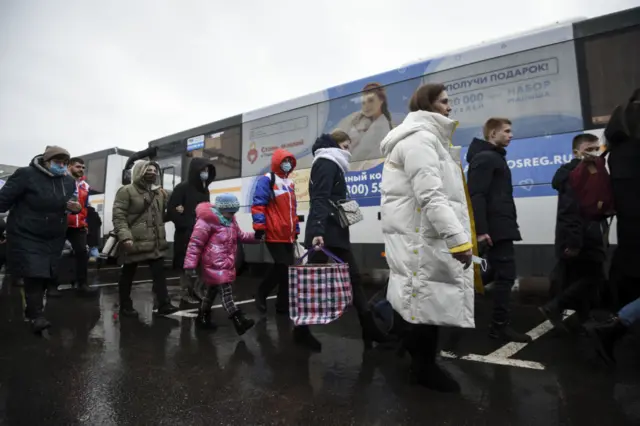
[(94, 368)]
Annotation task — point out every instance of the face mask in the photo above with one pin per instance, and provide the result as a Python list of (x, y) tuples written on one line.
[(286, 167), (204, 176), (57, 169)]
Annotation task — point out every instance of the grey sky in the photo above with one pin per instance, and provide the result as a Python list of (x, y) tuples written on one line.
[(90, 75)]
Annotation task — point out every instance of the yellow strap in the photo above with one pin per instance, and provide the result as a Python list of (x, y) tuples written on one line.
[(477, 275), (461, 248)]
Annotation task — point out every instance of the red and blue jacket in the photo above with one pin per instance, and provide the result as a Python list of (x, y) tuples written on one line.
[(80, 220), (274, 209)]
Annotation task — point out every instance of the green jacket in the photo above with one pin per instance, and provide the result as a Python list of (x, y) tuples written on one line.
[(138, 215)]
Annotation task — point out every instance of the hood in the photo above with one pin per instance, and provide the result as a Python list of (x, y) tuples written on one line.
[(278, 157), (324, 141), (479, 145), (440, 126), (38, 163), (562, 174), (196, 165), (138, 171), (205, 212)]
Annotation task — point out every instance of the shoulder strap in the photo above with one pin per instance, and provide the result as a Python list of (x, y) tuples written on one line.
[(272, 181), (146, 209)]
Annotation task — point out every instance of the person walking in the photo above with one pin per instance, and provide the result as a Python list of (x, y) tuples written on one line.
[(427, 232), (580, 243), (39, 197), (275, 218), (327, 187), (77, 229), (138, 221), (186, 196), (496, 219), (213, 247)]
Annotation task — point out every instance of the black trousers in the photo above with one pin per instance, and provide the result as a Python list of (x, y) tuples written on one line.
[(502, 261), (420, 340), (159, 282), (78, 239), (278, 274), (577, 284), (34, 289)]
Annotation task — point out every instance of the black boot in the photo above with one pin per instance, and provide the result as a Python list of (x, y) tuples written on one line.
[(83, 290), (39, 324), (553, 312), (167, 308), (422, 345), (203, 320), (605, 336), (241, 323), (504, 332), (302, 336)]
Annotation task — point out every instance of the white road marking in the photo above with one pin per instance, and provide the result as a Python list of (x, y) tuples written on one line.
[(70, 287), (502, 356), (191, 313), (495, 360)]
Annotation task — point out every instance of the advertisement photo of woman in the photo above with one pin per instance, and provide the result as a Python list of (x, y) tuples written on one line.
[(366, 128)]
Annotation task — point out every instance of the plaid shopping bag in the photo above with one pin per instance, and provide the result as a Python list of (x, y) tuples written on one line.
[(319, 293)]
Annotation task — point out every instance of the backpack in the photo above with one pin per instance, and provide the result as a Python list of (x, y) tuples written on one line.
[(591, 183)]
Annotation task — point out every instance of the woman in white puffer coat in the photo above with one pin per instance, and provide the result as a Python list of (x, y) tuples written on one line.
[(427, 232)]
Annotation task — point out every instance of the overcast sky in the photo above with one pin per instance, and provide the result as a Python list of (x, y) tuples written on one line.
[(90, 75)]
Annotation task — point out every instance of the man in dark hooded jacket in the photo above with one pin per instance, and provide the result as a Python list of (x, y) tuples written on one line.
[(580, 243), (39, 197), (496, 220), (181, 210), (623, 143)]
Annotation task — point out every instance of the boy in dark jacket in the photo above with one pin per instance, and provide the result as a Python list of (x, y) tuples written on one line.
[(580, 243), (496, 220)]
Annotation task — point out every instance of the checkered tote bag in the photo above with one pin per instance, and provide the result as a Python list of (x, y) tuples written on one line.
[(319, 293)]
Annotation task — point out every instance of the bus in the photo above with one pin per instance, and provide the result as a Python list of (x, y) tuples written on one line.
[(103, 173), (552, 82)]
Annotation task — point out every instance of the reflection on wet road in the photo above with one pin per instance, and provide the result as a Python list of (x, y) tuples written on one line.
[(97, 369)]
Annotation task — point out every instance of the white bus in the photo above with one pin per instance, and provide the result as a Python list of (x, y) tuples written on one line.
[(553, 83)]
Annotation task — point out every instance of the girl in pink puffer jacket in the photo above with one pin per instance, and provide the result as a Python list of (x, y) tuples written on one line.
[(213, 246)]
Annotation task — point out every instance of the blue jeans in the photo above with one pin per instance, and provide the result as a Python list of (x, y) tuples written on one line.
[(630, 313)]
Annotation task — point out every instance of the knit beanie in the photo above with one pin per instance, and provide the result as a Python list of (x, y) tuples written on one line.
[(54, 151), (227, 203)]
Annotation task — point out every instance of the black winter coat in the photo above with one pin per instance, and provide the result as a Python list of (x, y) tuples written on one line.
[(326, 182), (623, 139), (37, 223), (572, 230), (491, 192), (94, 224), (188, 194)]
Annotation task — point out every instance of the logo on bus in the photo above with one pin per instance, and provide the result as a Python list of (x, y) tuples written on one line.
[(252, 155)]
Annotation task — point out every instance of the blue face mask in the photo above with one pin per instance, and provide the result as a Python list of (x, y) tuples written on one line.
[(57, 169), (286, 167), (204, 176)]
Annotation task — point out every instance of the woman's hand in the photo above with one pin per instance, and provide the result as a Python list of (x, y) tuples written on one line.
[(464, 257), (317, 242), (74, 206)]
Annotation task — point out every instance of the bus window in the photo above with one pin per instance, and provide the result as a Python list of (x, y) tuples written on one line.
[(223, 149), (612, 72), (95, 172), (171, 171)]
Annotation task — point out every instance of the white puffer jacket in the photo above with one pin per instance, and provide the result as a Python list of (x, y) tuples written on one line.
[(424, 215)]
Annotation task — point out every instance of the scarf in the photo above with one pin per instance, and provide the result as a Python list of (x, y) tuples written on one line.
[(337, 155), (223, 220)]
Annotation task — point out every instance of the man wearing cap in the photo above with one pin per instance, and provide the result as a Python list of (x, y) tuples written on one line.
[(39, 197)]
